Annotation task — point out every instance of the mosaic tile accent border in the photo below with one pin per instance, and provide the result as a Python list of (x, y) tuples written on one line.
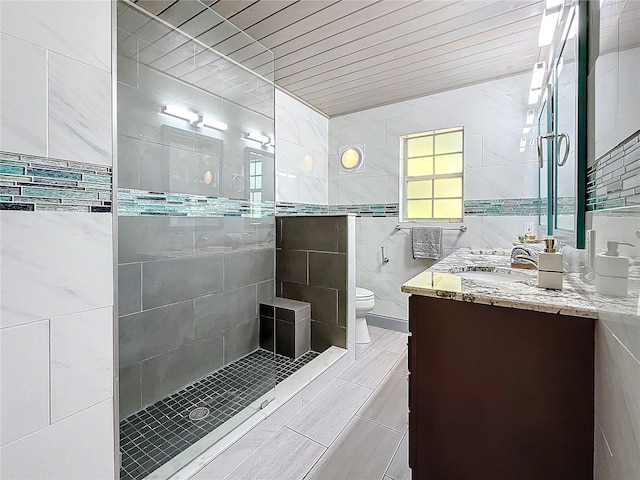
[(138, 202), (361, 210), (156, 434), (29, 183), (614, 179)]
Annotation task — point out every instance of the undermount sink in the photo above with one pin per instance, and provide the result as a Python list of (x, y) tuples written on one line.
[(502, 275)]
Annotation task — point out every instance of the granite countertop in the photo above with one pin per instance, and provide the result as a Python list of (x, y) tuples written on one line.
[(439, 281)]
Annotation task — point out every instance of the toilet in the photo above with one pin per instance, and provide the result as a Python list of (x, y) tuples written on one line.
[(365, 301)]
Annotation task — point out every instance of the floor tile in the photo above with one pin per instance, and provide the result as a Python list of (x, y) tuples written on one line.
[(225, 393), (402, 365), (389, 403), (287, 455), (395, 342), (375, 334), (363, 451), (399, 468), (370, 368), (327, 414)]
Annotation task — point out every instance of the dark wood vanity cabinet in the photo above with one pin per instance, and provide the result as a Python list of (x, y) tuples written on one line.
[(499, 393)]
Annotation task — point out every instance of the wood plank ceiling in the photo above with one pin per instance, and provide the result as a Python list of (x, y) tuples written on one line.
[(351, 55)]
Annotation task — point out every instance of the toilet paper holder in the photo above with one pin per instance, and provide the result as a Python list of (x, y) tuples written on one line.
[(385, 260)]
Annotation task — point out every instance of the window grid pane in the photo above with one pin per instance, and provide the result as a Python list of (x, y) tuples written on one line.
[(433, 174)]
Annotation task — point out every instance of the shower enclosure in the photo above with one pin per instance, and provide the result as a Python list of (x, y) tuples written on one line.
[(196, 232)]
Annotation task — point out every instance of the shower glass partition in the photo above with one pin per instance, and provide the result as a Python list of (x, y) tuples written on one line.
[(196, 231)]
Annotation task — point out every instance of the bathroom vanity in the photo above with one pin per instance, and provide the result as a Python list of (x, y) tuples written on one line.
[(501, 382)]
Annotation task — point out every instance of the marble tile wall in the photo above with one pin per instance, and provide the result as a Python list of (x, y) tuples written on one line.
[(617, 431), (501, 183), (301, 152), (56, 314), (616, 98)]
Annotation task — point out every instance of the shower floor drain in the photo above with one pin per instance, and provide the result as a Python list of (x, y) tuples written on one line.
[(198, 413)]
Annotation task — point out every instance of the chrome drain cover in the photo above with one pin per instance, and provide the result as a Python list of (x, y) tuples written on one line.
[(198, 413)]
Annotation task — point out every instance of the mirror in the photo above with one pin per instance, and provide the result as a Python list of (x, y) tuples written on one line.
[(561, 137), (565, 110), (617, 70)]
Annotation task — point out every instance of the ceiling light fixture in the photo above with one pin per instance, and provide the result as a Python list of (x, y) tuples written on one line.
[(549, 23), (180, 112), (534, 96), (538, 76), (530, 114)]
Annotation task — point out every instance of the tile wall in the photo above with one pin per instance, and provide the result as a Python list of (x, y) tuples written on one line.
[(501, 183), (195, 255), (301, 153), (56, 315), (617, 430), (312, 260)]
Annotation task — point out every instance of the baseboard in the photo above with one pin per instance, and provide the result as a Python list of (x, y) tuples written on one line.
[(390, 323)]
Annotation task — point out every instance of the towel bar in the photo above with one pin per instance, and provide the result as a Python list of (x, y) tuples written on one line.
[(461, 228)]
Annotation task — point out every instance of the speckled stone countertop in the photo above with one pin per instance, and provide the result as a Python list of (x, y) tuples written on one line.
[(439, 281)]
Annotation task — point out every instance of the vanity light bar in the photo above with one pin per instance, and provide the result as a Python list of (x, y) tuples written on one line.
[(207, 122), (180, 112), (257, 137)]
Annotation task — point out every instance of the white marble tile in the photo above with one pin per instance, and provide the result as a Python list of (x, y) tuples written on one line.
[(313, 190), (23, 117), (79, 30), (24, 363), (500, 232), (286, 124), (473, 150), (489, 114), (286, 454), (314, 134), (336, 404), (618, 403), (79, 447), (287, 188), (72, 271), (79, 111), (501, 181), (530, 180), (503, 147), (81, 361), (516, 84), (354, 188)]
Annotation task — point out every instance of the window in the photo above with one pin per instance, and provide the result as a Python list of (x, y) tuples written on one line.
[(433, 165)]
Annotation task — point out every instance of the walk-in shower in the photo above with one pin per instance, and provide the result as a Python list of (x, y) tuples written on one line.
[(196, 232)]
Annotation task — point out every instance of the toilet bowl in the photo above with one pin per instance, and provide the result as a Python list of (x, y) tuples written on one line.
[(365, 301)]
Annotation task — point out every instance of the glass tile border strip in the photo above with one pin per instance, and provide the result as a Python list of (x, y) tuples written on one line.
[(614, 179), (152, 436), (31, 183), (140, 203)]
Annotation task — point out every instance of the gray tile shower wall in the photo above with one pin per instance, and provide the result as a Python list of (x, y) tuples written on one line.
[(189, 290), (312, 263)]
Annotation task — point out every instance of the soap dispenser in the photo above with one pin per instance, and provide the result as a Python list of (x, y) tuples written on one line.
[(612, 271), (550, 266)]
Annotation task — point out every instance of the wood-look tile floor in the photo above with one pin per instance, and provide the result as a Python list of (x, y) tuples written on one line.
[(354, 429)]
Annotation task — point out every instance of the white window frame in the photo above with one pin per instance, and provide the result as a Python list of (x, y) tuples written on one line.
[(404, 180)]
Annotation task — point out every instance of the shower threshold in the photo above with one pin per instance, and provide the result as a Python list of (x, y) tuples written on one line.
[(153, 436)]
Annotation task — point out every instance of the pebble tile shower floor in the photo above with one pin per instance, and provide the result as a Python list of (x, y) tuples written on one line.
[(151, 437)]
